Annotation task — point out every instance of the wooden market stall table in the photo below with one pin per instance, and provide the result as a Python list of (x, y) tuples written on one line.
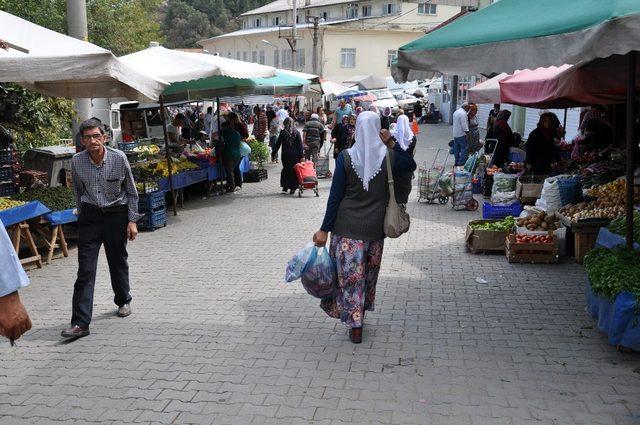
[(55, 220), (15, 221)]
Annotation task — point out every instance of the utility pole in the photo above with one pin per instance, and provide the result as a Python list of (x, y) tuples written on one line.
[(293, 40), (77, 28), (314, 58), (454, 97)]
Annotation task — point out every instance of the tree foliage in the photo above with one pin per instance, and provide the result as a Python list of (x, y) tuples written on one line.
[(183, 25), (122, 26)]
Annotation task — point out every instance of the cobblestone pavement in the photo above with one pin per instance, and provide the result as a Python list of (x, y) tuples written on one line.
[(218, 337)]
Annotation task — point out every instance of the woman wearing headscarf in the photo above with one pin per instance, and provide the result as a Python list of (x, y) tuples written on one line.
[(474, 129), (355, 217), (292, 153), (405, 138), (343, 134), (502, 131), (385, 119), (274, 131), (541, 147)]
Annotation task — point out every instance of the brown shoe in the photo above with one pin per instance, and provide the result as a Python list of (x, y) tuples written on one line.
[(355, 335), (75, 332)]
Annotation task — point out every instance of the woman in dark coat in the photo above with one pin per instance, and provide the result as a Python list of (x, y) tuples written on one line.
[(292, 153), (541, 148), (502, 131), (343, 135)]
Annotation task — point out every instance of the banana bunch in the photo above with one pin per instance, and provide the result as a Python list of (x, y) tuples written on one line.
[(6, 203)]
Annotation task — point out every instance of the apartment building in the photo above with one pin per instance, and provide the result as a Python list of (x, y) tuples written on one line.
[(349, 37)]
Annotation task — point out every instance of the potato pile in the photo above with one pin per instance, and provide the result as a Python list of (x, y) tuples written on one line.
[(602, 208), (540, 221), (613, 193)]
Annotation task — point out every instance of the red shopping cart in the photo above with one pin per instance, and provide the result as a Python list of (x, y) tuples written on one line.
[(307, 178)]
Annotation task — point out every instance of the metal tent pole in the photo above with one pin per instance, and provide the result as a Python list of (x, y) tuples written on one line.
[(631, 140), (564, 124), (168, 155), (219, 148)]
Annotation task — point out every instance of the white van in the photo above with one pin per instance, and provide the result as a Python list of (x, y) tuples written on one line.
[(128, 119)]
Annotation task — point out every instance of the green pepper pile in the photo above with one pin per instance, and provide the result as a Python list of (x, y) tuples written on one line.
[(612, 271), (619, 226), (55, 198), (505, 225)]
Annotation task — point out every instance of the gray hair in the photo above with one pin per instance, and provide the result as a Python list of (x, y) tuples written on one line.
[(91, 123)]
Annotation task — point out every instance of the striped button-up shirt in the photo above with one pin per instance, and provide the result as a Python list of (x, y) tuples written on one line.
[(107, 184)]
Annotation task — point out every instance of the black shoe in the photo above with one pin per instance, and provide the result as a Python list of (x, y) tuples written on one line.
[(75, 332), (355, 335), (292, 191)]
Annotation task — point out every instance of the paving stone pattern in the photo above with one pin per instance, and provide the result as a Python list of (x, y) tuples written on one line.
[(217, 337)]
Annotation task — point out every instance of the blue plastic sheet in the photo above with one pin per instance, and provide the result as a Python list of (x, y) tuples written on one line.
[(184, 179), (22, 213), (617, 319), (607, 239), (213, 173), (61, 217)]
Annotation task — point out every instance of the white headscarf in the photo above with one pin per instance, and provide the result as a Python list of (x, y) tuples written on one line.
[(403, 133), (368, 151)]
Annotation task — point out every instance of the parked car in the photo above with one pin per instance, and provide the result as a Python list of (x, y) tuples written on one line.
[(405, 100), (384, 99)]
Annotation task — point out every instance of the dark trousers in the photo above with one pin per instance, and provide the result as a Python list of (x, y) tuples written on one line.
[(237, 174), (95, 228), (230, 167)]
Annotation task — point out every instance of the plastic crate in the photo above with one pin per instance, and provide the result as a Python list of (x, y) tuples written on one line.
[(153, 219), (6, 156), (7, 188), (126, 147), (255, 176), (6, 173), (490, 211), (151, 201)]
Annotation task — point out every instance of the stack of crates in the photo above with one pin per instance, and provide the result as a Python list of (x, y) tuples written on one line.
[(7, 182), (153, 206)]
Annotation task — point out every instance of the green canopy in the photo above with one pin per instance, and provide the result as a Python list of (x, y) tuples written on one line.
[(521, 34), (218, 86)]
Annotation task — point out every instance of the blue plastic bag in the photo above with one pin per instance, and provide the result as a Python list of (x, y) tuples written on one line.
[(319, 277), (245, 149), (298, 262)]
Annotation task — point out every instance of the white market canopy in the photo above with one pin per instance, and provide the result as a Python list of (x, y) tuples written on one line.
[(178, 66), (333, 88), (62, 66)]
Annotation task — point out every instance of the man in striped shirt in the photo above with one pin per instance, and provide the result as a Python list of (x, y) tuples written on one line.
[(107, 203)]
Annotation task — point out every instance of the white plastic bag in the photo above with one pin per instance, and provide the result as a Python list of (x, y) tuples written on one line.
[(550, 198)]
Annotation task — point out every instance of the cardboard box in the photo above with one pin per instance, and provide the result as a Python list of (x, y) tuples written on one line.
[(529, 188), (485, 240)]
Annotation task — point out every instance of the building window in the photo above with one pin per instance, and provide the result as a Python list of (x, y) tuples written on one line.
[(257, 22), (276, 21), (244, 56), (286, 58), (366, 11), (276, 58), (352, 11), (300, 62), (238, 55), (297, 19), (261, 58), (426, 8), (391, 56), (254, 57), (389, 9), (325, 15), (348, 58), (229, 55)]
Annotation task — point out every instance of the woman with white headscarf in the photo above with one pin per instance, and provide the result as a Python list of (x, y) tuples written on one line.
[(355, 217), (403, 134)]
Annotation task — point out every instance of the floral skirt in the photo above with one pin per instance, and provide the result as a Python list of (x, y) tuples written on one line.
[(358, 264)]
